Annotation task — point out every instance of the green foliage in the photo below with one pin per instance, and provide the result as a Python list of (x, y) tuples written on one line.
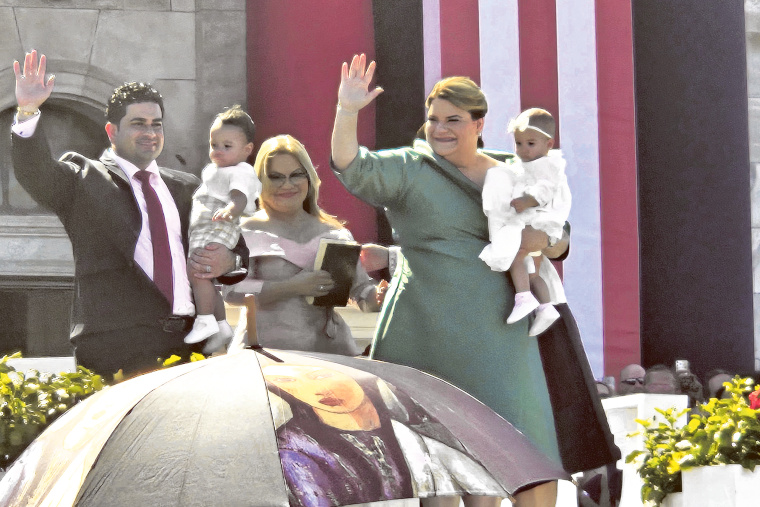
[(721, 431), (30, 401)]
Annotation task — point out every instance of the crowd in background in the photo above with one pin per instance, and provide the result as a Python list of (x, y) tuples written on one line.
[(603, 486), (662, 379)]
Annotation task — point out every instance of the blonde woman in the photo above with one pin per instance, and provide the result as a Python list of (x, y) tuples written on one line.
[(283, 238)]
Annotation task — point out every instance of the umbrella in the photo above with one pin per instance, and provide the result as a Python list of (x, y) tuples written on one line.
[(269, 427)]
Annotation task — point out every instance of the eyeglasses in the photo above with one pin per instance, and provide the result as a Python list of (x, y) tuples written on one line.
[(633, 381), (295, 178)]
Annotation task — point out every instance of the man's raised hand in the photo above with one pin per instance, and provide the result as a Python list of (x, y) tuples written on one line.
[(32, 89)]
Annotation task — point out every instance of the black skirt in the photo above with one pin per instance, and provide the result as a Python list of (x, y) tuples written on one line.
[(584, 437)]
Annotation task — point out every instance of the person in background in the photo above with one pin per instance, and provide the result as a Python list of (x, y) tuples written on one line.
[(603, 390), (715, 380), (229, 189), (659, 379), (631, 380), (127, 221), (688, 382)]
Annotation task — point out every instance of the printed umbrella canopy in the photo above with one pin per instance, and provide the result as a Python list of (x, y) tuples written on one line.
[(275, 428)]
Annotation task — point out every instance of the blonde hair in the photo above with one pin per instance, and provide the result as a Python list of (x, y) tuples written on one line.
[(289, 145), (463, 93), (537, 119)]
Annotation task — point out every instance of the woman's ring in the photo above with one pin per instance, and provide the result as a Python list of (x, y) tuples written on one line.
[(208, 269)]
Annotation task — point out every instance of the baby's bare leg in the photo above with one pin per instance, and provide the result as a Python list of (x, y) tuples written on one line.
[(220, 312), (538, 285), (519, 272), (205, 295)]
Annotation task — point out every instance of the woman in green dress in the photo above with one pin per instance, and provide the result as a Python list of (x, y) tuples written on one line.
[(445, 310)]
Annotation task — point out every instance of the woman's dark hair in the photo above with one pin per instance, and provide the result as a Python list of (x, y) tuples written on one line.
[(463, 93), (128, 94)]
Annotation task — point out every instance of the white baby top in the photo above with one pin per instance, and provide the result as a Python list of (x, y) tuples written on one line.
[(218, 181)]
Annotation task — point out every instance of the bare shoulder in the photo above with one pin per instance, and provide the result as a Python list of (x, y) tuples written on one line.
[(489, 162), (336, 232), (258, 221)]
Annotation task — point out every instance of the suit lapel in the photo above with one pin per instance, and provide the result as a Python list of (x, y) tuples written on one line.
[(113, 168)]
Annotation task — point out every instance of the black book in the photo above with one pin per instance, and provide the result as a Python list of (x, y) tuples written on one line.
[(339, 258)]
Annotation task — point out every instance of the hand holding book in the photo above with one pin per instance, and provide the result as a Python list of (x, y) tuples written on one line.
[(312, 283), (339, 259)]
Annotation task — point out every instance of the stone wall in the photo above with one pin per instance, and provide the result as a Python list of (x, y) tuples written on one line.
[(193, 51)]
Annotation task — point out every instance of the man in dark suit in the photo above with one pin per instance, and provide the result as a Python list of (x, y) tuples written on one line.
[(127, 221)]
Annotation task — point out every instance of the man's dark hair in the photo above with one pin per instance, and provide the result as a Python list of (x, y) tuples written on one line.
[(236, 117), (131, 93)]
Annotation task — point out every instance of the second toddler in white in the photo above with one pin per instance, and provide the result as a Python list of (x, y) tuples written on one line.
[(530, 192)]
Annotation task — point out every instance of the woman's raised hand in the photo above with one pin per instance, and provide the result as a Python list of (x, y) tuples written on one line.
[(354, 92), (32, 89), (353, 95)]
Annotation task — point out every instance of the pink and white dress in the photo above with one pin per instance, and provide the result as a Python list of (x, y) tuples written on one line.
[(294, 324)]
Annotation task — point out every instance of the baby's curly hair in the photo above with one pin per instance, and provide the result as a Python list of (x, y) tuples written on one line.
[(236, 117), (131, 93)]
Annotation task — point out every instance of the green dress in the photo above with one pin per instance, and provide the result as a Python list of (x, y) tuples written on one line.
[(445, 310)]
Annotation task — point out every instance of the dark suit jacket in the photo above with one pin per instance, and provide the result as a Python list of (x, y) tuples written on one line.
[(94, 201)]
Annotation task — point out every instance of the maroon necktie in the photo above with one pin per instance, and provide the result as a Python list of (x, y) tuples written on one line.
[(162, 255)]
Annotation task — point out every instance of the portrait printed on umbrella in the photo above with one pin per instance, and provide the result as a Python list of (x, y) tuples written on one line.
[(346, 436)]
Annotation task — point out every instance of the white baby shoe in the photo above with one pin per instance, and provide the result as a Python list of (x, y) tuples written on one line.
[(545, 317), (203, 327), (220, 340), (525, 303)]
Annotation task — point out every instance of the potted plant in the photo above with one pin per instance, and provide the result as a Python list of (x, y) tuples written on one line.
[(719, 432)]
